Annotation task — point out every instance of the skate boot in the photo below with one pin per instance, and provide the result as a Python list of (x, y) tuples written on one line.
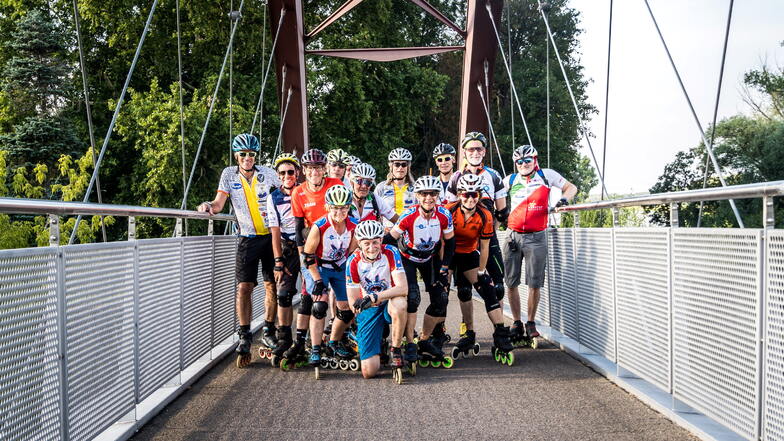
[(385, 352), (530, 329), (411, 355), (339, 355), (440, 337), (295, 357), (328, 328), (466, 346), (502, 345), (396, 362), (268, 341), (284, 343), (432, 355), (315, 360), (243, 348)]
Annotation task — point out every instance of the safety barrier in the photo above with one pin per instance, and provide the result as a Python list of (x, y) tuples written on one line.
[(696, 312)]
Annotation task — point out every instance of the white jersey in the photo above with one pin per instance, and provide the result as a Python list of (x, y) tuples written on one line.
[(279, 214), (333, 246), (249, 199), (376, 276), (373, 209), (492, 186)]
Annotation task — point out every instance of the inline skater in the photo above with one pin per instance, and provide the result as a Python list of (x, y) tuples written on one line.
[(283, 229), (473, 230), (365, 206), (474, 146), (444, 155), (337, 163), (329, 243), (376, 287), (419, 233), (351, 162), (396, 190), (529, 191), (248, 185)]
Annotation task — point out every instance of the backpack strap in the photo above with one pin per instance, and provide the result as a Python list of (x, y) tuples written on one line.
[(546, 182)]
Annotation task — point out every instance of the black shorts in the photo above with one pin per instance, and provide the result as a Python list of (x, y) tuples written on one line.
[(288, 283), (250, 251), (462, 262)]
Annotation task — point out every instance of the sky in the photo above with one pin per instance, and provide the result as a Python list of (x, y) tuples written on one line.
[(649, 119)]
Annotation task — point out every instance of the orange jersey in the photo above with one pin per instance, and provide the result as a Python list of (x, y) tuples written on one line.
[(469, 231), (310, 204)]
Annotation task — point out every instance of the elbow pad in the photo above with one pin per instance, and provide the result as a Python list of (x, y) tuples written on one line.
[(502, 215), (449, 251), (299, 235), (310, 259)]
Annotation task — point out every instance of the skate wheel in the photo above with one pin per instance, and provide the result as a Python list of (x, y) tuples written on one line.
[(343, 364), (324, 364), (301, 364), (274, 360), (510, 359), (475, 350), (435, 364), (447, 337), (504, 358), (243, 360), (448, 362), (424, 363), (397, 375), (496, 355), (262, 353), (412, 369), (317, 373), (456, 352), (284, 365), (353, 365), (333, 364)]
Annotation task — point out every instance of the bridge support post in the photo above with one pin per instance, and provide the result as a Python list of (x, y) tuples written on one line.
[(674, 215), (768, 213), (54, 230), (131, 228)]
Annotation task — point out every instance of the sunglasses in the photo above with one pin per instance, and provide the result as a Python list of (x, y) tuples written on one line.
[(470, 194), (400, 164), (524, 161), (443, 159), (339, 207), (287, 172), (475, 149), (244, 154), (432, 194), (338, 164), (363, 181)]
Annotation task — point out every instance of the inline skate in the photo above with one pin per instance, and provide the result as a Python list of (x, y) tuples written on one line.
[(466, 346), (521, 338), (268, 342), (295, 357), (284, 343), (243, 348), (431, 355), (502, 345), (397, 364)]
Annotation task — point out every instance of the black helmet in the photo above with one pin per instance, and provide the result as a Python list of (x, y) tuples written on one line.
[(444, 149)]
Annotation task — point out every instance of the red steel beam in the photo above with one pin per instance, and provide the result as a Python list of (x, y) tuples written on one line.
[(384, 54), (339, 12), (439, 16), (290, 54), (480, 45)]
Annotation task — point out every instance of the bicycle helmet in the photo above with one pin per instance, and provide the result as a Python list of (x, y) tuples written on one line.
[(369, 229), (338, 196), (524, 151), (399, 154), (474, 136), (286, 157), (444, 149), (353, 160), (337, 155), (314, 157), (427, 183), (363, 170), (469, 182), (245, 142)]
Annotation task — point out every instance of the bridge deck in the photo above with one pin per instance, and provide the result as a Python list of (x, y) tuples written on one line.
[(546, 395)]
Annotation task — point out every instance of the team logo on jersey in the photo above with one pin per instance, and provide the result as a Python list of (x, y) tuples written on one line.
[(236, 185), (421, 226), (426, 244), (376, 285), (335, 253)]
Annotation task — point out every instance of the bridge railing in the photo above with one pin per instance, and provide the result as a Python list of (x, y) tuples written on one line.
[(93, 336), (697, 312)]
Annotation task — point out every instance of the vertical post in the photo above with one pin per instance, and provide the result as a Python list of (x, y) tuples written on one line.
[(674, 222), (576, 278), (62, 344), (136, 295), (178, 228), (670, 300), (212, 296), (182, 308), (131, 228), (768, 213), (54, 230), (615, 223), (210, 227), (768, 223)]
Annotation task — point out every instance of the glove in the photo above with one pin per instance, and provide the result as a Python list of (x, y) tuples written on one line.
[(318, 288), (364, 303), (278, 264), (485, 279), (443, 277), (561, 203)]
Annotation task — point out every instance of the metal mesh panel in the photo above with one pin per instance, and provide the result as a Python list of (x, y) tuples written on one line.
[(563, 302), (715, 294), (197, 297), (223, 287), (543, 312), (259, 293), (159, 269), (595, 290), (29, 373), (774, 336), (99, 311), (642, 288)]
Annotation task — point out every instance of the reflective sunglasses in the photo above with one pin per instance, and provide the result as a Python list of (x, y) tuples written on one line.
[(475, 149), (244, 154), (287, 172), (400, 164), (470, 194), (524, 161), (363, 181), (443, 159), (338, 164), (432, 194)]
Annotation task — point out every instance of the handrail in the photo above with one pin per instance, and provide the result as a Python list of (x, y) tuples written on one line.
[(745, 191), (39, 206)]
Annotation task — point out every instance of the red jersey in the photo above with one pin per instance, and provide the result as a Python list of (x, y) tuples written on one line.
[(420, 234), (309, 204)]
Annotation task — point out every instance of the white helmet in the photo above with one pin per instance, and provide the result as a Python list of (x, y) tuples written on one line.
[(399, 154), (353, 160), (369, 229), (338, 195), (469, 182), (524, 151), (363, 170), (427, 183), (337, 155)]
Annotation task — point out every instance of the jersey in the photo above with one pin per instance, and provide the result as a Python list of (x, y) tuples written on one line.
[(530, 199), (469, 231), (442, 194), (373, 209), (492, 187), (309, 204), (249, 199), (333, 245), (420, 234), (399, 198), (376, 276), (280, 215)]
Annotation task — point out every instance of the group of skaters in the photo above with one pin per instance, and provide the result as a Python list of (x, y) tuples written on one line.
[(359, 247)]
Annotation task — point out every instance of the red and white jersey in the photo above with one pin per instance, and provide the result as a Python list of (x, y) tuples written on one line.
[(530, 199), (374, 209), (421, 234), (333, 245), (376, 276)]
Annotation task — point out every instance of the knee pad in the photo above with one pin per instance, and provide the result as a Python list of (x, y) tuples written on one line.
[(464, 293), (284, 299), (488, 295), (434, 310), (305, 305), (499, 291), (320, 310), (413, 299), (345, 315)]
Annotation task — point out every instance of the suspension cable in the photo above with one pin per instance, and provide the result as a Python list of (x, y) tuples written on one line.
[(607, 92), (716, 108), (282, 122), (212, 106), (83, 69), (259, 107), (231, 81), (182, 112), (487, 106), (263, 54), (490, 126), (508, 71), (117, 108), (547, 80), (708, 146), (509, 41), (574, 101)]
